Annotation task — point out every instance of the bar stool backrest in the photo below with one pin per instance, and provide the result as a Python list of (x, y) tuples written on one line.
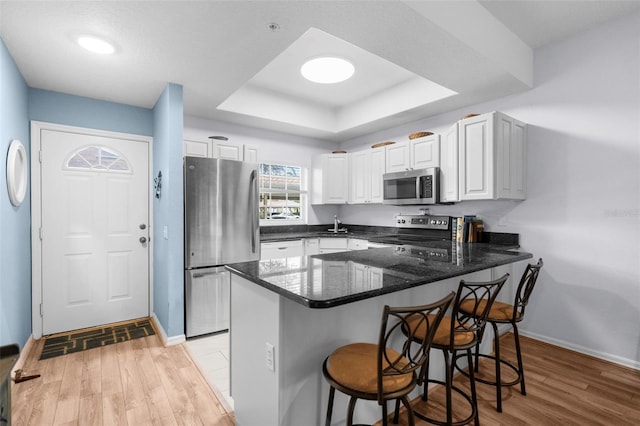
[(395, 332), (478, 297), (525, 288)]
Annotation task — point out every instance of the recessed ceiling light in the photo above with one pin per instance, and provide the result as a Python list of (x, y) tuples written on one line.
[(327, 70), (96, 45)]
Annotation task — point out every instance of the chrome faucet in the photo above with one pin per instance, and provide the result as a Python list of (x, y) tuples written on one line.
[(336, 223)]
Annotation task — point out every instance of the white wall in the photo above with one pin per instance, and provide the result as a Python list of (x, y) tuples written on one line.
[(582, 213), (274, 147)]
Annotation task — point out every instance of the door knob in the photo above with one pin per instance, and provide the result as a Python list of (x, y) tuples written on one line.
[(143, 226), (143, 240)]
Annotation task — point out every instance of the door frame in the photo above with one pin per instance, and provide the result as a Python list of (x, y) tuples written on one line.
[(36, 210)]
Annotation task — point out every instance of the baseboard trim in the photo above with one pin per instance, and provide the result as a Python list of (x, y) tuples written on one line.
[(221, 398), (626, 362), (166, 341), (24, 353)]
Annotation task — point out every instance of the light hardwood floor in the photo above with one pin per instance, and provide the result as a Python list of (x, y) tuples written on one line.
[(135, 383), (563, 388), (143, 383)]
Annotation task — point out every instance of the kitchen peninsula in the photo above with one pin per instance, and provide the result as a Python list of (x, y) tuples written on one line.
[(288, 314)]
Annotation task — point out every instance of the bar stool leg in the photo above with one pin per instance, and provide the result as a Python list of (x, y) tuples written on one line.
[(396, 414), (472, 385), (523, 391), (425, 392), (407, 404), (477, 352), (449, 382), (384, 414), (332, 392), (496, 344), (352, 407)]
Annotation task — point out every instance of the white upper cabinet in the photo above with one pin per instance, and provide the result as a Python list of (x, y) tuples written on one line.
[(220, 149), (251, 154), (330, 179), (425, 152), (398, 157), (366, 170), (197, 149), (511, 159), (419, 153), (449, 168), (492, 157), (227, 151)]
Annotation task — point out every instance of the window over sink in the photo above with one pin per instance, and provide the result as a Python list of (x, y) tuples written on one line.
[(283, 192)]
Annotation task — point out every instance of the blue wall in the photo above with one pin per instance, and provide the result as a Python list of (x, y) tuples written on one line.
[(168, 266), (70, 110), (15, 222), (18, 105)]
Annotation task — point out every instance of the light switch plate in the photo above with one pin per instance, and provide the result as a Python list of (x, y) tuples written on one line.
[(270, 356)]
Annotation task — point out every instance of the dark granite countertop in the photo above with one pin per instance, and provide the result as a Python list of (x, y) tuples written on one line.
[(328, 280), (285, 236), (382, 234), (295, 232)]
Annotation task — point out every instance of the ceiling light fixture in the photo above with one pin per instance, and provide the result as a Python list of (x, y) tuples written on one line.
[(96, 45), (327, 70)]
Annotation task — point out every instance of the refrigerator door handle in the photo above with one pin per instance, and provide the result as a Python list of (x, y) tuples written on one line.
[(253, 205), (204, 274)]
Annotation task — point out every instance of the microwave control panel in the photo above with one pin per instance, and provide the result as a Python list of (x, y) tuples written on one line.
[(423, 222)]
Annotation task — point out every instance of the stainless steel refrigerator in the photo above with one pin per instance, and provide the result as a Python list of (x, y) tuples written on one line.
[(221, 227)]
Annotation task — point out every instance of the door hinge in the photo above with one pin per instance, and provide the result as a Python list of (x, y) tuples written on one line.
[(41, 310)]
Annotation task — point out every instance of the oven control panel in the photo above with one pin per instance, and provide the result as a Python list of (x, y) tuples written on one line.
[(423, 222)]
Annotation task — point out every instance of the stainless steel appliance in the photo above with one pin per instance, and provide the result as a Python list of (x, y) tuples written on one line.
[(419, 186), (221, 227)]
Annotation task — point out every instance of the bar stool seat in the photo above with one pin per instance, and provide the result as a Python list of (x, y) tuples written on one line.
[(379, 372), (355, 366), (505, 313)]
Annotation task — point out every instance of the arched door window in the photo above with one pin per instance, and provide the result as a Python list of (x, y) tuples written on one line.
[(99, 159)]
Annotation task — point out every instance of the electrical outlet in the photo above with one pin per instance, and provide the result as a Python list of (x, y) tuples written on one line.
[(270, 356), (165, 232)]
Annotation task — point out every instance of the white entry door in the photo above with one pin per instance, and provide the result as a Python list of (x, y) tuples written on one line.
[(95, 228)]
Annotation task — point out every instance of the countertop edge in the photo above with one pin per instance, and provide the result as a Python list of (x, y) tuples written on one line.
[(326, 304)]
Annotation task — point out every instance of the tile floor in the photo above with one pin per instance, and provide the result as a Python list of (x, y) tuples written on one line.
[(211, 355)]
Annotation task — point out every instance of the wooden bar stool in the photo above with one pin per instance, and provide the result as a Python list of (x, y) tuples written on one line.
[(460, 332), (504, 313), (378, 372)]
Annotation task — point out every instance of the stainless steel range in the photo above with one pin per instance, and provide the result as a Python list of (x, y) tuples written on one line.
[(424, 222)]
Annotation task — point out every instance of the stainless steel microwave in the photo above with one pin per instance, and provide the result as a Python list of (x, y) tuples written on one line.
[(419, 186)]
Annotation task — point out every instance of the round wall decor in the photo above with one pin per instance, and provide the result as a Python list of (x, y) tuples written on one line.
[(16, 172)]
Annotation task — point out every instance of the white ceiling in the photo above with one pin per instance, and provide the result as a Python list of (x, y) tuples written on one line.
[(234, 68)]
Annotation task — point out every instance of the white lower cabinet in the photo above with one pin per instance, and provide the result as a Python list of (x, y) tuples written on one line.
[(357, 244), (311, 246), (279, 249), (333, 245)]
